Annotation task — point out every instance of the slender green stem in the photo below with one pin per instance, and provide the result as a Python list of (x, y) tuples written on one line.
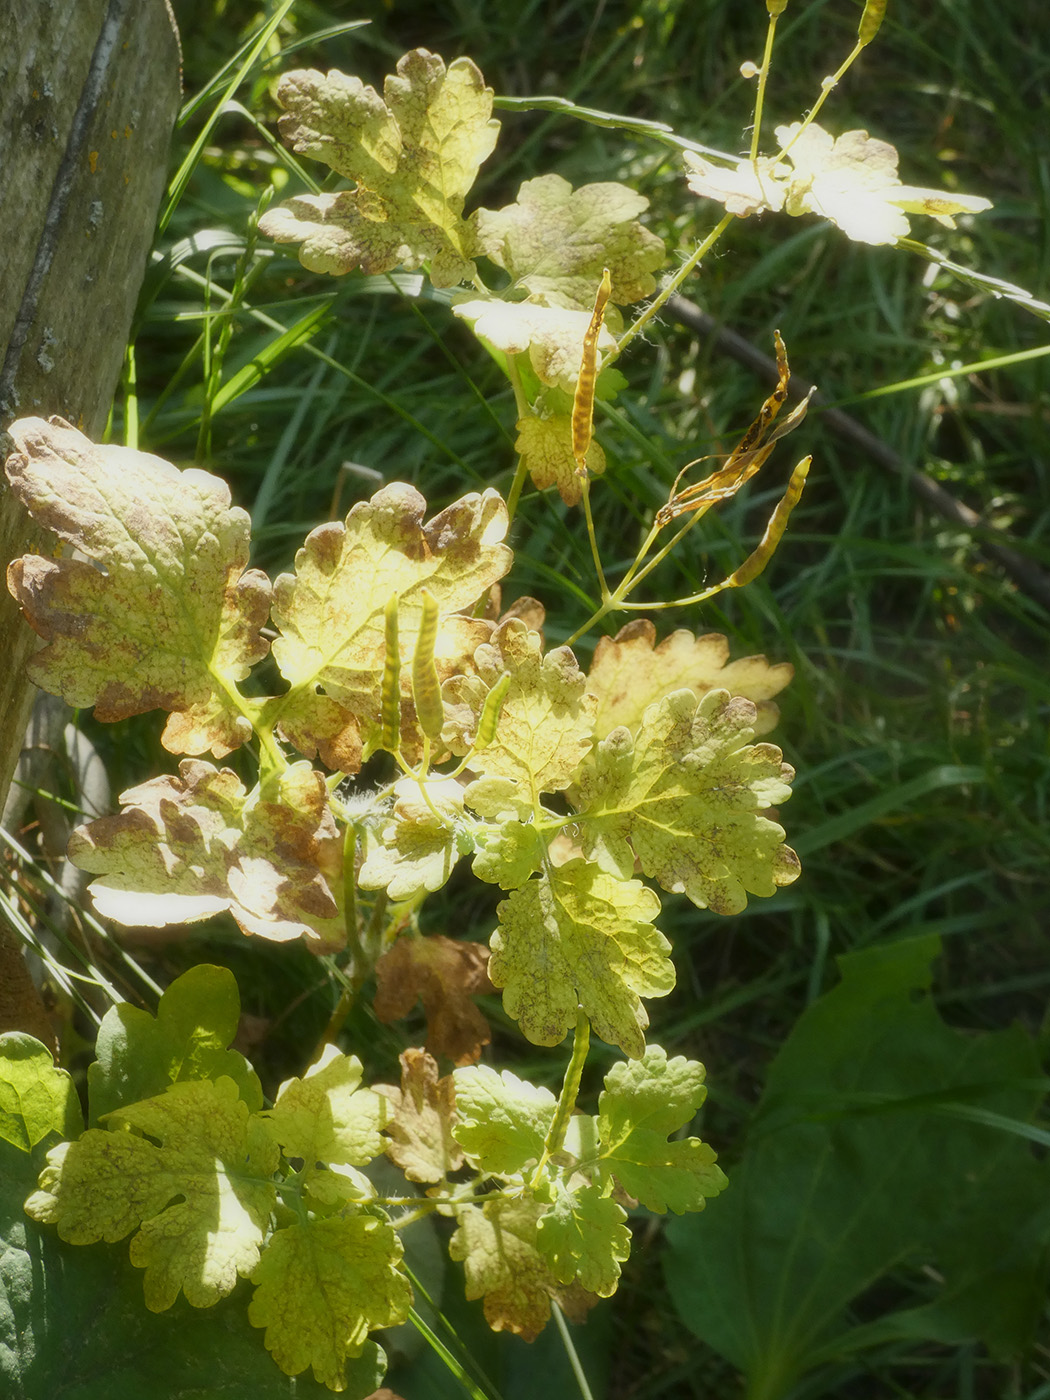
[(585, 497), (763, 75), (669, 290), (827, 87), (570, 1092), (521, 403), (571, 1352)]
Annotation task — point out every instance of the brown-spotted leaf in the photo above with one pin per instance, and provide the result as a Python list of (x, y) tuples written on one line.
[(413, 156), (546, 722), (545, 445), (497, 1244), (556, 241), (424, 1111), (629, 672), (686, 797), (443, 974), (167, 616), (189, 847), (331, 612)]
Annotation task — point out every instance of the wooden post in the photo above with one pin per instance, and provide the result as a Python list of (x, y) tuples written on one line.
[(89, 92)]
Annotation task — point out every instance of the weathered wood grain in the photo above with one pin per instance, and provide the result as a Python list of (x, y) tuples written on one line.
[(89, 92)]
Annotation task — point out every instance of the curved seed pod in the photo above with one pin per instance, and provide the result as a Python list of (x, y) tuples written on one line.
[(583, 400), (776, 7), (871, 21), (488, 721), (391, 693), (426, 687)]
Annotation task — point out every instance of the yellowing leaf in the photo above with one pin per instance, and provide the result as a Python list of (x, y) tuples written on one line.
[(331, 611), (421, 843), (685, 796), (501, 1120), (552, 335), (545, 445), (413, 157), (582, 1236), (577, 937), (641, 1104), (322, 1286), (201, 1192), (167, 616), (746, 188), (444, 974), (852, 180), (555, 241), (547, 721), (327, 1117), (497, 1244), (188, 847), (628, 673), (424, 1110)]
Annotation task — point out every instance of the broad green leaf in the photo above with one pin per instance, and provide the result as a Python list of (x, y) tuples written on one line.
[(497, 1244), (37, 1098), (545, 445), (326, 1116), (852, 180), (684, 797), (583, 1237), (444, 974), (199, 1197), (331, 611), (420, 844), (322, 1286), (547, 720), (188, 847), (642, 1103), (630, 672), (72, 1324), (578, 937), (139, 1055), (413, 156), (501, 1120), (423, 1112), (850, 1169), (509, 846), (552, 335), (555, 241), (167, 615)]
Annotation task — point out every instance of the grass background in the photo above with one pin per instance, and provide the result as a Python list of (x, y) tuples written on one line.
[(917, 719)]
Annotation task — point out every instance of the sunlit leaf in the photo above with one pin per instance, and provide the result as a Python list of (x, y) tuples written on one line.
[(578, 937), (331, 612), (629, 672), (167, 614), (414, 154), (685, 796), (199, 1196), (188, 847), (554, 241)]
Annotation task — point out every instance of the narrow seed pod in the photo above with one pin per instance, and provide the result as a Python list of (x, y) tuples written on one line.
[(426, 688), (760, 557), (391, 693), (871, 21), (583, 400), (491, 711)]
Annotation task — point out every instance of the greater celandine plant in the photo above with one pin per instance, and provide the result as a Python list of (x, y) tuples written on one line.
[(568, 790)]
